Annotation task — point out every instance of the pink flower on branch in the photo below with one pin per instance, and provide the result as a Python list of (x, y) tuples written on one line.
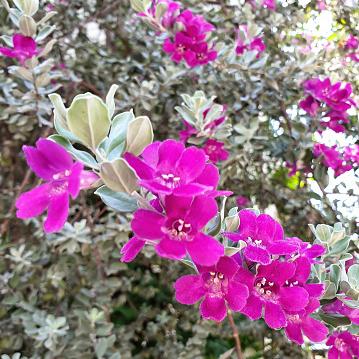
[(343, 345), (170, 168), (63, 178), (263, 235), (215, 150), (218, 287), (177, 230), (24, 48)]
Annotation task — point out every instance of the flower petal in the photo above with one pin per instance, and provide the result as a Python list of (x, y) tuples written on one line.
[(253, 308), (294, 333), (190, 190), (75, 179), (257, 254), (171, 249), (227, 266), (237, 295), (293, 298), (209, 176), (143, 171), (130, 250), (204, 250), (189, 289), (202, 210), (314, 329), (213, 308), (274, 316), (57, 213), (147, 224), (191, 164), (169, 152), (32, 203)]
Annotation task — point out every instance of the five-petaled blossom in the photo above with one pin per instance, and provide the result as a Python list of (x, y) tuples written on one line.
[(263, 235), (218, 286), (215, 150), (177, 230), (63, 178), (24, 47), (343, 345), (170, 168), (272, 289)]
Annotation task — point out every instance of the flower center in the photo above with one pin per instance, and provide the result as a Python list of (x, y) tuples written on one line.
[(170, 180), (340, 345), (289, 283), (265, 288), (180, 230), (61, 175), (216, 284), (294, 318), (211, 149), (256, 243), (181, 48)]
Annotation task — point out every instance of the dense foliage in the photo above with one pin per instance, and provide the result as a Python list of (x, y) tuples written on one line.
[(265, 91)]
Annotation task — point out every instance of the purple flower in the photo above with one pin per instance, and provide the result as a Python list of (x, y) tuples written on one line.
[(331, 158), (307, 250), (263, 235), (215, 150), (299, 323), (258, 45), (24, 48), (336, 121), (343, 346), (269, 289), (190, 43), (188, 132), (242, 201), (219, 287), (310, 105), (338, 307), (250, 44), (177, 231), (168, 167), (63, 178), (269, 4), (352, 42), (351, 154)]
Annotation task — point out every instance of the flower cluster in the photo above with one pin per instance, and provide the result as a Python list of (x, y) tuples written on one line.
[(213, 148), (343, 345), (24, 48), (187, 33), (332, 158), (352, 46), (245, 43), (63, 178), (331, 100), (185, 186)]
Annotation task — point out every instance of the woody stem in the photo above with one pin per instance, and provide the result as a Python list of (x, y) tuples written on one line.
[(235, 335)]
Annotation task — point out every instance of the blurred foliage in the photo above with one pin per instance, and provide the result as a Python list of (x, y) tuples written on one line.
[(68, 293)]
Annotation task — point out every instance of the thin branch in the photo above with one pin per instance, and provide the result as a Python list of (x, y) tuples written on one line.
[(235, 335)]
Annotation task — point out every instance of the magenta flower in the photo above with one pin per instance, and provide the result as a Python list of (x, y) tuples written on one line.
[(63, 178), (219, 287), (254, 44), (299, 323), (338, 307), (242, 201), (177, 231), (331, 158), (168, 167), (269, 4), (263, 235), (344, 345), (258, 45), (269, 289), (351, 154), (352, 42), (215, 150), (190, 43), (24, 48), (336, 121), (307, 250), (310, 105)]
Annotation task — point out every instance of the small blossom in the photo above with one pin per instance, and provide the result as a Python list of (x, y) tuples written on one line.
[(63, 178), (269, 4), (343, 345), (24, 47), (268, 289), (338, 307), (249, 44), (351, 154), (215, 150), (263, 235), (168, 167), (352, 42), (177, 230), (307, 250), (242, 201), (299, 323), (217, 285), (331, 158)]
